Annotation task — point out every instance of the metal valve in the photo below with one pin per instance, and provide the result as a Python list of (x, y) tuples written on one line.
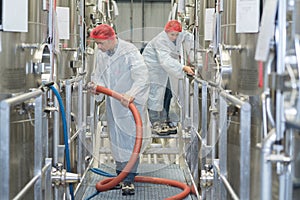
[(60, 176)]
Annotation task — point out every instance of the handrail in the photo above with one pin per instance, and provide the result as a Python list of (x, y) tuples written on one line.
[(5, 136), (31, 183), (245, 115)]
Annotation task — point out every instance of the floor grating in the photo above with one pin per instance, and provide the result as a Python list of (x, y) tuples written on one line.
[(142, 190)]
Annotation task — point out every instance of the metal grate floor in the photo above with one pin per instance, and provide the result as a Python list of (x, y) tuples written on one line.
[(142, 190)]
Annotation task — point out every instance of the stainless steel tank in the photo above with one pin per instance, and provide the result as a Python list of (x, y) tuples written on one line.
[(70, 56), (202, 6), (207, 68), (244, 77), (244, 80), (16, 76), (17, 50)]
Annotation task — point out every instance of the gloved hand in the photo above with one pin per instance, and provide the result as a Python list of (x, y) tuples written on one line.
[(126, 100)]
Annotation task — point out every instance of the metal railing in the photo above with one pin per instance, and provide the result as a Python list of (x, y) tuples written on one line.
[(213, 112), (5, 111)]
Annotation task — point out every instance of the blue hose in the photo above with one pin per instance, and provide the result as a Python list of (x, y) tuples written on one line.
[(67, 151), (93, 195), (102, 173)]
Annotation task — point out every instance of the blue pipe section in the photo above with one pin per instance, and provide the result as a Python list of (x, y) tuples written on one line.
[(66, 139)]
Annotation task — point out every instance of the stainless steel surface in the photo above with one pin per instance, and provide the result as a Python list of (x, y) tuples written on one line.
[(14, 59), (70, 55), (16, 71), (244, 77), (266, 166), (223, 141), (245, 116), (11, 146)]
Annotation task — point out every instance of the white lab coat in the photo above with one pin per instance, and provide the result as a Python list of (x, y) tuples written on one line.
[(161, 56), (124, 72)]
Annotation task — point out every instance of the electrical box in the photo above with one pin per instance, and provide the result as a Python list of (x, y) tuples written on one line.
[(14, 15)]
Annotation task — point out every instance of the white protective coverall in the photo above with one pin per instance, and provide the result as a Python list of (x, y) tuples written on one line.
[(126, 73), (161, 55)]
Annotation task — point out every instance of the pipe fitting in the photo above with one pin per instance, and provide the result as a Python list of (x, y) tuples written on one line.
[(207, 176), (233, 47), (91, 87), (28, 45), (60, 176)]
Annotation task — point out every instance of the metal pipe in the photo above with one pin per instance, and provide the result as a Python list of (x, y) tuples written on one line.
[(233, 99), (82, 30), (68, 107), (29, 45), (30, 183), (47, 179), (227, 184), (83, 177), (181, 101), (75, 135), (38, 144), (267, 90), (195, 116), (213, 123), (223, 143), (187, 122), (290, 166), (297, 50), (244, 142), (56, 134), (81, 138), (204, 122), (27, 187), (266, 166), (264, 115), (280, 65)]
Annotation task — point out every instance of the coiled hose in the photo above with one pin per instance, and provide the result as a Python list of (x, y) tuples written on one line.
[(109, 183)]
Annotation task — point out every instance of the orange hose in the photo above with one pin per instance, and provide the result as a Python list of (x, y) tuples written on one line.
[(186, 189), (109, 183)]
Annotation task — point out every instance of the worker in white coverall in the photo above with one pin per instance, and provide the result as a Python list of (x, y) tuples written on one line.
[(121, 68), (162, 56)]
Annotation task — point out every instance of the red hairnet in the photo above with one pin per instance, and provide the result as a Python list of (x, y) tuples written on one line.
[(103, 32), (173, 25)]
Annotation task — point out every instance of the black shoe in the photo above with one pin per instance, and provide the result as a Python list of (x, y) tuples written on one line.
[(160, 129), (164, 130), (172, 127), (127, 188)]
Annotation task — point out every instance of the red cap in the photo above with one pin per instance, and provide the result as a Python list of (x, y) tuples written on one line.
[(103, 32), (173, 25)]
